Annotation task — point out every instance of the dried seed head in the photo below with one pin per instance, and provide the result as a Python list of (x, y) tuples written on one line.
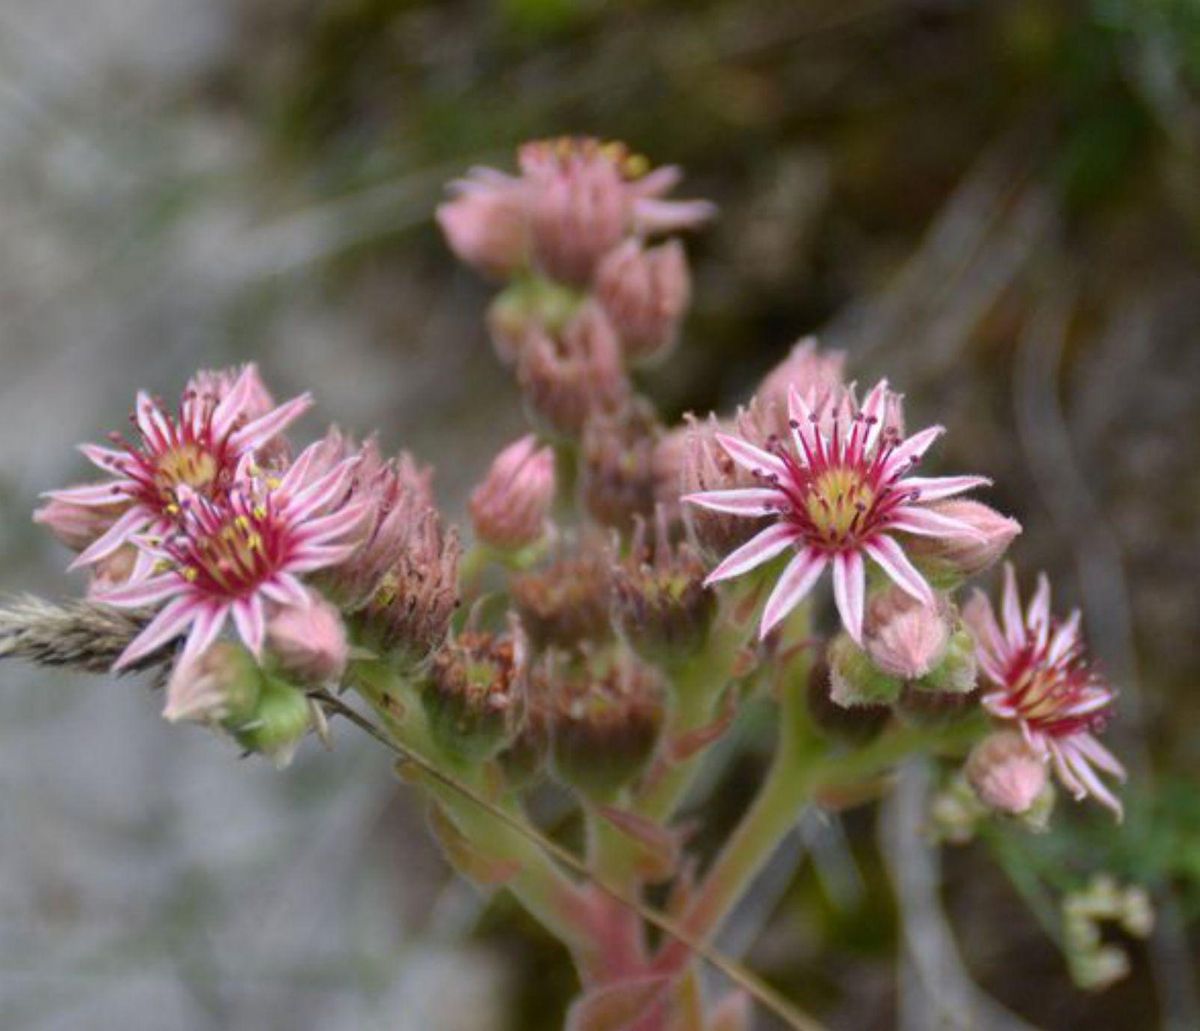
[(569, 600)]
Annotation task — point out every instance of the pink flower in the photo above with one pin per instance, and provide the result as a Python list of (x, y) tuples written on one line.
[(837, 492), (510, 508), (1042, 682), (232, 558), (484, 222), (196, 451)]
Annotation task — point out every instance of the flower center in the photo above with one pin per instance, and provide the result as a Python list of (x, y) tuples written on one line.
[(837, 501), (227, 554), (185, 464)]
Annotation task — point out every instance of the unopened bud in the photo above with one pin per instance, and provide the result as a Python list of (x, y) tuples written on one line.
[(222, 683), (278, 723), (855, 680), (815, 375), (568, 600), (475, 696), (525, 308), (617, 466), (904, 637), (309, 641), (855, 724), (1006, 773), (645, 292), (661, 605), (570, 376), (952, 558), (485, 222), (509, 509), (605, 720)]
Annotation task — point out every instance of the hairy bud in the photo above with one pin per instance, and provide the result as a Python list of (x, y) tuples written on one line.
[(1006, 773), (309, 641), (950, 559), (282, 716), (816, 375), (854, 680), (510, 508), (617, 469), (904, 637), (645, 291), (570, 376)]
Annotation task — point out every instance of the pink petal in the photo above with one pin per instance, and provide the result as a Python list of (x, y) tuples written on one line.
[(1039, 610), (794, 583), (990, 643), (873, 411), (320, 494), (1101, 756), (751, 501), (105, 458), (253, 435), (286, 590), (1066, 773), (910, 452), (849, 591), (652, 216), (112, 538), (328, 528), (210, 620), (168, 624), (1064, 639), (1014, 625), (251, 623), (892, 560), (924, 522), (761, 548), (137, 594), (234, 402), (318, 556), (752, 458), (937, 488), (1093, 785), (91, 494)]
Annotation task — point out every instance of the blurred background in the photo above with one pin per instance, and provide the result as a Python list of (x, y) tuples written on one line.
[(997, 204)]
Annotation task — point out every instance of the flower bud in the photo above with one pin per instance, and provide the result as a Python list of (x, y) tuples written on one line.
[(1006, 773), (579, 205), (567, 601), (280, 719), (950, 559), (617, 475), (309, 641), (509, 509), (645, 292), (904, 637), (856, 724), (525, 307), (474, 699), (854, 680), (77, 525), (484, 222), (956, 671), (661, 605), (605, 716), (569, 376), (815, 374), (223, 683)]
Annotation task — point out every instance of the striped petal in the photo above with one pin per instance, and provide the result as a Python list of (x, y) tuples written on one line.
[(891, 559), (251, 623), (754, 459), (924, 522), (937, 488), (167, 625), (911, 451), (750, 501), (254, 434), (112, 538), (849, 591), (150, 591), (795, 582), (762, 547)]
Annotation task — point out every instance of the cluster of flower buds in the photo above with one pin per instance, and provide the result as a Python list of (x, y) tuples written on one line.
[(587, 291), (208, 523)]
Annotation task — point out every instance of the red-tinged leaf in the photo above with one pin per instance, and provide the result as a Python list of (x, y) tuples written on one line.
[(615, 1006), (465, 857), (682, 747), (658, 848)]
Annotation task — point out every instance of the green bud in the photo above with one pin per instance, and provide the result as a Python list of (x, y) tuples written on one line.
[(281, 718), (854, 679), (956, 672)]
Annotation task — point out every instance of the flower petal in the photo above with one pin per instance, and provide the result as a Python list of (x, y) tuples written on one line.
[(749, 501), (849, 591), (794, 583), (762, 547), (90, 494), (136, 594), (924, 522), (1014, 625), (254, 434), (937, 488), (892, 560), (112, 538), (251, 623), (909, 452), (168, 624), (754, 459)]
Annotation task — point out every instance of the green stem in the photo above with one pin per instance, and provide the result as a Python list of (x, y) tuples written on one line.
[(538, 884)]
